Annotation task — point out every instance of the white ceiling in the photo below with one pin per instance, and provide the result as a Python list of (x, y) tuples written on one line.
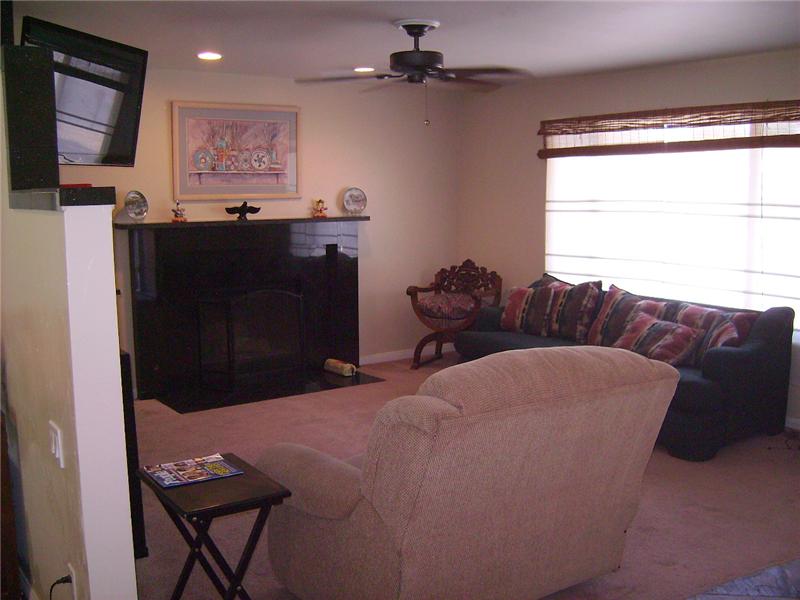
[(308, 39)]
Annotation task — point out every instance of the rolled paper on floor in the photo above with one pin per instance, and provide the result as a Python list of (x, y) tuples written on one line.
[(340, 367)]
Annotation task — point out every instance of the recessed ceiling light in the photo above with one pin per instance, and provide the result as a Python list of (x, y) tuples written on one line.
[(209, 56), (364, 69)]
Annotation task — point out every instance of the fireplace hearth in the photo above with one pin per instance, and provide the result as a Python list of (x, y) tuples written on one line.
[(234, 311), (195, 399)]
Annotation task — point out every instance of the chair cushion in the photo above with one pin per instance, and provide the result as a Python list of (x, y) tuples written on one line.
[(449, 306), (669, 342)]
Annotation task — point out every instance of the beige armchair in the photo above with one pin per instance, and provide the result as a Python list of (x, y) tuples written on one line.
[(509, 477)]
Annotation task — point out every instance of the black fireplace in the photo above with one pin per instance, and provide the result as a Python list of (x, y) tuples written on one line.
[(242, 305)]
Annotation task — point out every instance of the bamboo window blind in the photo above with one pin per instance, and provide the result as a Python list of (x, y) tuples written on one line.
[(689, 129)]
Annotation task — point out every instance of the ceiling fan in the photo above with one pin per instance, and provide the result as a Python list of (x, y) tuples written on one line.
[(418, 66)]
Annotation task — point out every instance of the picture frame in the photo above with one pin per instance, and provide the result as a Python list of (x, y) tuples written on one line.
[(234, 151)]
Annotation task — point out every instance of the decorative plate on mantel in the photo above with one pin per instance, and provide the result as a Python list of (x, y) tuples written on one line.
[(355, 200), (136, 205)]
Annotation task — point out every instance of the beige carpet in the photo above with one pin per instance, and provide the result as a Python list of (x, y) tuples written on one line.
[(699, 524)]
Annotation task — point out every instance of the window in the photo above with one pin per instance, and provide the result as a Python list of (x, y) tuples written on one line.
[(717, 226)]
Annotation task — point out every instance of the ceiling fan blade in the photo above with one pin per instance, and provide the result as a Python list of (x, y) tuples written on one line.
[(387, 82), (476, 84), (496, 71), (344, 78)]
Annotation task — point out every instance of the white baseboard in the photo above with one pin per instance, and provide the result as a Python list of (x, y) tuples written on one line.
[(399, 355), (793, 423)]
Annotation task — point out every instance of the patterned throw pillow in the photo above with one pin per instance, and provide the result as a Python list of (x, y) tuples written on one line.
[(699, 317), (743, 321), (547, 279), (574, 309), (541, 307), (515, 309), (666, 341), (554, 308), (722, 333), (720, 328), (612, 319)]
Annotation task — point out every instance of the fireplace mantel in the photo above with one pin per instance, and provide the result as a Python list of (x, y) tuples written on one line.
[(232, 222)]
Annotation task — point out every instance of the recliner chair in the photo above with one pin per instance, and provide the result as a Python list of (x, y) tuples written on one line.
[(511, 476)]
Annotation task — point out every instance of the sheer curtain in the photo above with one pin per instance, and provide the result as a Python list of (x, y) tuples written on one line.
[(717, 227)]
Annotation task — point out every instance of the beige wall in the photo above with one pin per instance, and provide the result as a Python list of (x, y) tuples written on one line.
[(374, 140), (502, 196), (39, 383)]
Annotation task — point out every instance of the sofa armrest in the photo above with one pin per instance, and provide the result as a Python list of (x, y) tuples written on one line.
[(755, 375), (769, 340), (773, 325), (729, 363), (488, 319), (321, 485)]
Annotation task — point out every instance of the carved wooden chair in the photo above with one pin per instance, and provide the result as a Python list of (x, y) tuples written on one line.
[(451, 303)]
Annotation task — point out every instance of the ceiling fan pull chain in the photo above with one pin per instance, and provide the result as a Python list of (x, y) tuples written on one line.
[(427, 120)]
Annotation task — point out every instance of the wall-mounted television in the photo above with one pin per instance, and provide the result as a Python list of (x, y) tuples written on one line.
[(99, 86)]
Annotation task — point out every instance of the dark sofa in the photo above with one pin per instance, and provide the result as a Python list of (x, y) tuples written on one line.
[(735, 393)]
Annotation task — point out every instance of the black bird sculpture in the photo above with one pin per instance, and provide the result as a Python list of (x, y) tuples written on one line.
[(242, 211)]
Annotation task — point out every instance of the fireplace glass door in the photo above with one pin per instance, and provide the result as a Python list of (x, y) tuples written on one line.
[(250, 338)]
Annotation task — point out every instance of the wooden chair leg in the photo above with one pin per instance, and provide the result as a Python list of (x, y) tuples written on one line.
[(435, 336)]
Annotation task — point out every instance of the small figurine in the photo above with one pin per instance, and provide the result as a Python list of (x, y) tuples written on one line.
[(179, 212), (242, 211), (318, 209)]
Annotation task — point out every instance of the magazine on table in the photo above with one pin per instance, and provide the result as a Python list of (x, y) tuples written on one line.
[(192, 470)]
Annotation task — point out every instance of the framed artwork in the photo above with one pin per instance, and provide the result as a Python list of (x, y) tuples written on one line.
[(234, 151)]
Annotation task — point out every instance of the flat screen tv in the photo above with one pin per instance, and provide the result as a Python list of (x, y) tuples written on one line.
[(99, 86)]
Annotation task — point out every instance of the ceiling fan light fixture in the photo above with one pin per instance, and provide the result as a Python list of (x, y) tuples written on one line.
[(209, 55), (364, 69), (416, 61)]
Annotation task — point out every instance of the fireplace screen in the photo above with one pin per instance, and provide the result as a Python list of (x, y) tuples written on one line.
[(249, 338)]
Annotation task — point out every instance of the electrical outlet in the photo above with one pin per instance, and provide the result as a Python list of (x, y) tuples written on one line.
[(56, 443), (74, 584)]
